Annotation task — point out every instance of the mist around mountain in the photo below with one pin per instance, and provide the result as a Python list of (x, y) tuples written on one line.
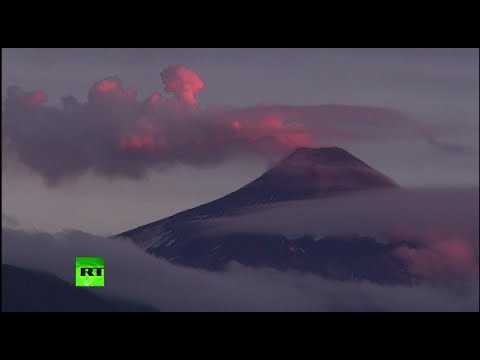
[(132, 275), (306, 173), (321, 231), (26, 290), (329, 175)]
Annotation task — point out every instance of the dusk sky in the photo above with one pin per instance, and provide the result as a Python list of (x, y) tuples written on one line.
[(412, 114)]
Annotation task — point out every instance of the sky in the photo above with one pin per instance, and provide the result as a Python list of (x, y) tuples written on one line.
[(426, 134)]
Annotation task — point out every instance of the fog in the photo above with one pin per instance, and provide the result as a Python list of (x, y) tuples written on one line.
[(132, 274)]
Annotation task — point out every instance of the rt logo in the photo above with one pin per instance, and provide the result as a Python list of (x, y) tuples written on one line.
[(90, 271)]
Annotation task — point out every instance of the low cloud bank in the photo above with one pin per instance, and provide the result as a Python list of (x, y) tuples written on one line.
[(132, 274), (442, 223)]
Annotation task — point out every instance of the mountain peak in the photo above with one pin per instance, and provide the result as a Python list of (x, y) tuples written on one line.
[(306, 149), (331, 156), (312, 172)]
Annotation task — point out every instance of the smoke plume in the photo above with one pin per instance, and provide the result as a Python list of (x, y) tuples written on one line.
[(183, 82), (115, 134)]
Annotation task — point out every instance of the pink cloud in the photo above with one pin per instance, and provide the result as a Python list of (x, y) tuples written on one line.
[(115, 134), (440, 255)]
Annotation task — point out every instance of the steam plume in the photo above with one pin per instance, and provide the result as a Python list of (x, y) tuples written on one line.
[(115, 134)]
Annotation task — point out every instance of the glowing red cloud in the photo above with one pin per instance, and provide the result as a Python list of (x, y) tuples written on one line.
[(263, 135), (138, 142), (293, 141), (38, 97), (183, 82), (159, 130), (130, 92), (236, 125), (271, 123), (110, 93), (154, 99), (144, 138), (274, 129), (107, 85), (442, 255)]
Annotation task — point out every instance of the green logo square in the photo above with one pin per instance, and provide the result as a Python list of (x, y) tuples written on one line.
[(90, 271)]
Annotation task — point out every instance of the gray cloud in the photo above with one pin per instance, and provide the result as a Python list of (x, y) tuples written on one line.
[(115, 134), (442, 222), (370, 212), (450, 148), (10, 220), (135, 275)]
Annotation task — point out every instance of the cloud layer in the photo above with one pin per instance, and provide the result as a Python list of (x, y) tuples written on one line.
[(133, 274), (115, 134), (442, 224)]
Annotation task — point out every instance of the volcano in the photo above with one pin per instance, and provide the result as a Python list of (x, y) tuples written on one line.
[(310, 173), (307, 173)]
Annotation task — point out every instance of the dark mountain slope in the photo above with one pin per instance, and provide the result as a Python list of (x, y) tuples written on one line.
[(32, 291), (305, 174)]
